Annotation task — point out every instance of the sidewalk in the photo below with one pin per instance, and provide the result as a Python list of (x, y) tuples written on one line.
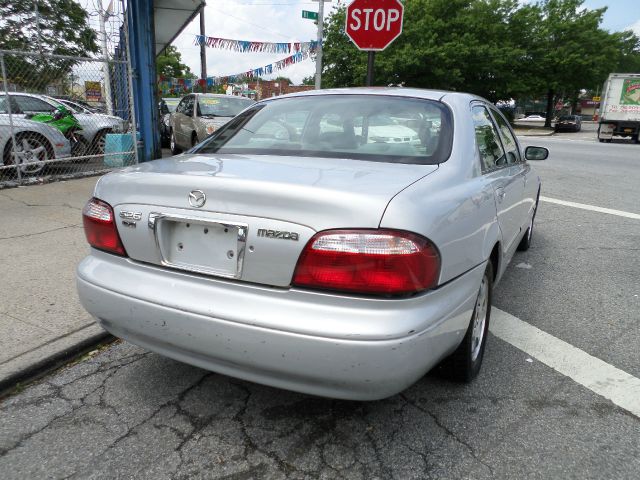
[(41, 242)]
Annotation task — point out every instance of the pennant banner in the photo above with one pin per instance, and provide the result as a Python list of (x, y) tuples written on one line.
[(245, 46), (185, 84)]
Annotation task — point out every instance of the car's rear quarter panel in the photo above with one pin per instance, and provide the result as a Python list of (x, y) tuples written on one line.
[(455, 207)]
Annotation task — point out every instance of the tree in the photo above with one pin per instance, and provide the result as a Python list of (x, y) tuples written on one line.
[(60, 27), (280, 78), (310, 80), (169, 64), (571, 51), (499, 49), (468, 45)]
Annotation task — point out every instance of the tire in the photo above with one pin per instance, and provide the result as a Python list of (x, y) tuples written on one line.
[(33, 150), (81, 148), (601, 140), (525, 243), (464, 364), (175, 150), (99, 142), (164, 139)]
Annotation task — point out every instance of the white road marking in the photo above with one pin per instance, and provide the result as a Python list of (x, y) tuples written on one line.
[(598, 376), (593, 208)]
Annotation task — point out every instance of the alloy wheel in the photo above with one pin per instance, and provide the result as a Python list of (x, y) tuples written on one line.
[(30, 155), (479, 319)]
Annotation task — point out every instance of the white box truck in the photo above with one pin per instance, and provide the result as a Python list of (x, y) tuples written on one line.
[(620, 107)]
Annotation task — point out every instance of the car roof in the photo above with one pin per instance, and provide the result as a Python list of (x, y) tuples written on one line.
[(27, 94), (426, 94), (218, 95)]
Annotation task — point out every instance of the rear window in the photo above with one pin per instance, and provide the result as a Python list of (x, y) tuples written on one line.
[(362, 127), (222, 106), (565, 118)]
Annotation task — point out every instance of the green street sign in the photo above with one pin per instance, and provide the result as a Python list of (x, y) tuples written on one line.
[(309, 15)]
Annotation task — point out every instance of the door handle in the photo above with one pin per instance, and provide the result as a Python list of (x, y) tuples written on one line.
[(500, 194)]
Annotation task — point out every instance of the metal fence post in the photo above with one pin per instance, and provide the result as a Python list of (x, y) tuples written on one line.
[(9, 109), (132, 105)]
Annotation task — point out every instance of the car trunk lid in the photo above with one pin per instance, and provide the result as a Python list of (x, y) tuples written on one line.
[(270, 206)]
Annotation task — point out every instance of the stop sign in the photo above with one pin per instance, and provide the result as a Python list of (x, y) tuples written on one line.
[(374, 24)]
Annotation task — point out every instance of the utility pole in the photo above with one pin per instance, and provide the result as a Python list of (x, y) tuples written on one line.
[(319, 50), (203, 46), (103, 14)]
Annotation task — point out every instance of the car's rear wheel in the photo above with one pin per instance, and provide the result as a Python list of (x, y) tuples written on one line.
[(173, 145), (80, 148), (525, 243), (30, 153), (99, 143), (464, 364)]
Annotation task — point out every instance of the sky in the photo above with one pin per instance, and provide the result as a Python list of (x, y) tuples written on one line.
[(255, 20), (281, 21)]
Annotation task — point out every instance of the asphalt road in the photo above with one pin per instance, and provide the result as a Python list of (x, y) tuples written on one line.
[(126, 413)]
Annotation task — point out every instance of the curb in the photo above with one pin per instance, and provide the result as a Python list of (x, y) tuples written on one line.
[(36, 363), (534, 133)]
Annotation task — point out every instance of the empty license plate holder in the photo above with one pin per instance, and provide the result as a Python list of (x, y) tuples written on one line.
[(198, 245)]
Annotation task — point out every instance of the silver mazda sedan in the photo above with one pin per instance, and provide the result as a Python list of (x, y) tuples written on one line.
[(335, 242)]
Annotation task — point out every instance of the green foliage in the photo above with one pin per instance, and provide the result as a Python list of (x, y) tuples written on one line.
[(498, 49), (170, 65), (283, 79), (62, 28), (310, 80)]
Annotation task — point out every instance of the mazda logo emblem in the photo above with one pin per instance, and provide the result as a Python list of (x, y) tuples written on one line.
[(197, 198)]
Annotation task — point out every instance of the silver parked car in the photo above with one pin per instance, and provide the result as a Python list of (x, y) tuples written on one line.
[(35, 144), (294, 249), (198, 115), (95, 126)]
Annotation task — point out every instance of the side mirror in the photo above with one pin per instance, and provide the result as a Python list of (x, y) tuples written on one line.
[(536, 153)]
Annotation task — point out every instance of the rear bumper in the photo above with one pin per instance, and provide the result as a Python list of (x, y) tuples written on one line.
[(343, 347), (608, 129)]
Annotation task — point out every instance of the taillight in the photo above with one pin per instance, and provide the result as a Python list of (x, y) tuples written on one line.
[(100, 227), (368, 261)]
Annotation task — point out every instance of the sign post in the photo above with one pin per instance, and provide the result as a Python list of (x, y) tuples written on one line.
[(372, 25), (370, 59), (320, 21)]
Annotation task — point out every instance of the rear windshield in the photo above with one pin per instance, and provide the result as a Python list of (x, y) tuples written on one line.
[(222, 106), (567, 117), (171, 104), (362, 127)]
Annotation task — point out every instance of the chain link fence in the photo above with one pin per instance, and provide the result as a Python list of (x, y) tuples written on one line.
[(65, 116)]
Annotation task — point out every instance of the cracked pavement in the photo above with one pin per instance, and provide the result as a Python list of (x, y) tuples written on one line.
[(128, 413)]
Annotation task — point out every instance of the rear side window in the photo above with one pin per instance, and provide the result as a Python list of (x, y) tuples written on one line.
[(184, 105), (31, 104), (491, 152), (508, 140), (361, 127)]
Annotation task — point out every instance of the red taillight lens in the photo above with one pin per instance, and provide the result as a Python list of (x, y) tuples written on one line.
[(368, 261), (100, 227)]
